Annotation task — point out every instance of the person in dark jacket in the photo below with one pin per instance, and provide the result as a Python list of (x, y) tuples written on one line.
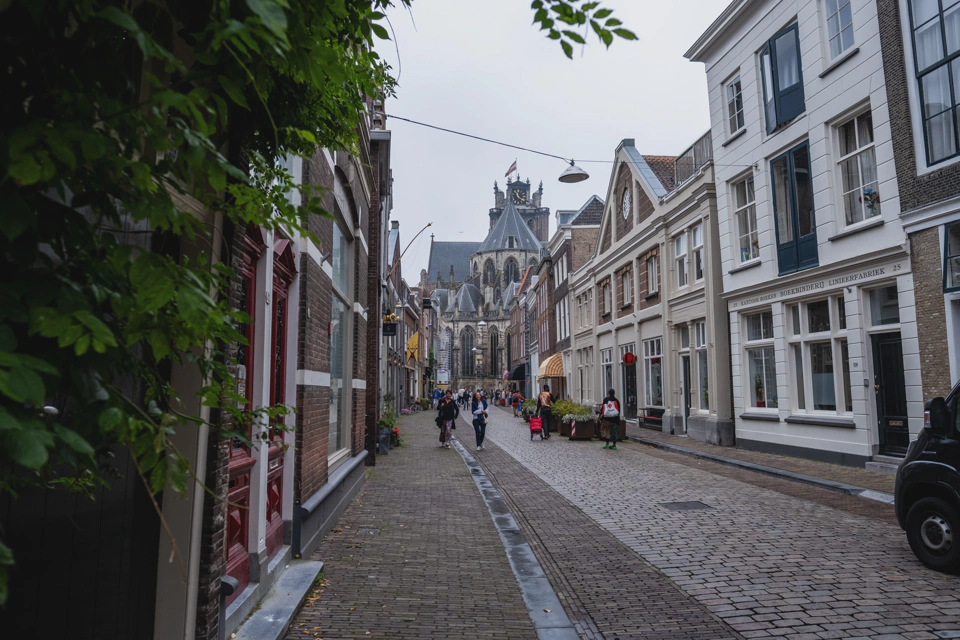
[(448, 414), (545, 406), (479, 410), (610, 415)]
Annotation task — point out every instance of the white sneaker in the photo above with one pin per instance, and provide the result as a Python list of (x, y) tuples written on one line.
[(480, 447)]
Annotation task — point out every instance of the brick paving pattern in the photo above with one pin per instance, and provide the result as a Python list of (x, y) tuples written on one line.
[(768, 563), (436, 569), (850, 475), (608, 591)]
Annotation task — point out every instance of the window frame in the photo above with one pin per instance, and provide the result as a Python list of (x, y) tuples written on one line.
[(787, 103), (799, 243), (945, 61), (947, 256), (802, 343), (734, 104), (649, 354), (839, 35), (859, 151), (653, 276), (681, 259), (763, 343), (738, 210), (703, 365), (696, 248), (627, 286)]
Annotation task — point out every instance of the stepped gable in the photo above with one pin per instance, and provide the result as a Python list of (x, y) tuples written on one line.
[(445, 254), (510, 224)]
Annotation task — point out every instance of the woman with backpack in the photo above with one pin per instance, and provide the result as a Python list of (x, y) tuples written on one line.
[(610, 414), (479, 409), (447, 419)]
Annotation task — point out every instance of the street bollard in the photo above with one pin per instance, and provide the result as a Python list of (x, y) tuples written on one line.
[(228, 586)]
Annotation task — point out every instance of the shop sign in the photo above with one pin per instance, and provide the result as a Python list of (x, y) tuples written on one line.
[(876, 273)]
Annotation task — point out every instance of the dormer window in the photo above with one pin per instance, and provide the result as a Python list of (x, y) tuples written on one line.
[(511, 242)]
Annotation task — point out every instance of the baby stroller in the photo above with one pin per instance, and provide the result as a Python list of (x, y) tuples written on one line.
[(536, 427)]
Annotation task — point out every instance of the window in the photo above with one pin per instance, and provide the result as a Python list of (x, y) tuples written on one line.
[(734, 105), (818, 350), (653, 372), (761, 363), (680, 252), (884, 306), (793, 210), (684, 336), (782, 79), (951, 258), (606, 368), (698, 252), (858, 169), (606, 300), (700, 330), (839, 26), (746, 215), (936, 47), (339, 368), (625, 287), (653, 273)]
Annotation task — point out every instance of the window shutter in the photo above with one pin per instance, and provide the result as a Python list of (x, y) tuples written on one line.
[(788, 74)]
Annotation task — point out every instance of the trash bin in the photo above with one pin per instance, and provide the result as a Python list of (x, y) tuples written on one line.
[(383, 440)]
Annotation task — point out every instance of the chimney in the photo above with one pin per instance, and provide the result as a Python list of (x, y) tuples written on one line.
[(394, 224)]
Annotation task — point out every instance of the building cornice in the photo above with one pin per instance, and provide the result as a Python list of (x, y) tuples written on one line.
[(730, 17)]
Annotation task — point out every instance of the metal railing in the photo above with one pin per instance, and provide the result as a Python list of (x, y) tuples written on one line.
[(689, 162)]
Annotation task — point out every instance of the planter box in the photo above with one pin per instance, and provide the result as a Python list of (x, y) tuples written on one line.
[(586, 430)]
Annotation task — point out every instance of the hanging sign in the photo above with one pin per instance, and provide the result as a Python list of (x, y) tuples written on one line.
[(389, 328), (629, 359)]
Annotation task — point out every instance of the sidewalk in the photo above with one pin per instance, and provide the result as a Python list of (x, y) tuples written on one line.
[(416, 555), (854, 476)]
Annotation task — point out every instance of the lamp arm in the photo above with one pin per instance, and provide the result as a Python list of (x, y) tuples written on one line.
[(393, 268)]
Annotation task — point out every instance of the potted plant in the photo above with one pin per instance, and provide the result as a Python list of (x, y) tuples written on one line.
[(385, 425), (576, 421), (529, 407), (758, 388)]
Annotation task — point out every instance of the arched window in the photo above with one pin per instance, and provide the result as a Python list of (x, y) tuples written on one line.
[(533, 261), (467, 354), (489, 272), (511, 272), (476, 267)]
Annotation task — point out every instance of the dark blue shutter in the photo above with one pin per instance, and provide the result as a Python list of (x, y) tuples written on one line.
[(794, 220), (803, 207), (786, 54)]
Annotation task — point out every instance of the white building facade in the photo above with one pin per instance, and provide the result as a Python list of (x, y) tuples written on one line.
[(817, 280)]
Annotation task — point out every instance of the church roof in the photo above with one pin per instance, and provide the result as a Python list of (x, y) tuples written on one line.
[(510, 224), (590, 213), (468, 298), (445, 254)]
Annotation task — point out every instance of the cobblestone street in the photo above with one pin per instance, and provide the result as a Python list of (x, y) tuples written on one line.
[(765, 558)]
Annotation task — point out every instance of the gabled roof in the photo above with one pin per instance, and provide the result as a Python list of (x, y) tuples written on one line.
[(650, 176), (445, 254), (590, 213), (663, 168), (468, 298), (510, 224)]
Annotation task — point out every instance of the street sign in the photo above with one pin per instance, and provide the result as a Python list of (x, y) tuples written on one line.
[(389, 328)]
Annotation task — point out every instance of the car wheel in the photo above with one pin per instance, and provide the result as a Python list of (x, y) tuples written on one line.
[(933, 531)]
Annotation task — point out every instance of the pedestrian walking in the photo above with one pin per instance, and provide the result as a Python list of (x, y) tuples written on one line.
[(479, 409), (610, 420), (515, 402), (545, 406), (437, 394), (447, 419)]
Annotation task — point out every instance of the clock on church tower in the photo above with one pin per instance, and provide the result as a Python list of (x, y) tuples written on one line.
[(519, 192)]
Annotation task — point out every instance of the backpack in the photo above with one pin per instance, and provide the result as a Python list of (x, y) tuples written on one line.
[(545, 400), (610, 409)]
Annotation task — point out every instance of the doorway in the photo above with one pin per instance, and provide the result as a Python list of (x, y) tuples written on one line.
[(685, 390), (890, 389), (629, 391)]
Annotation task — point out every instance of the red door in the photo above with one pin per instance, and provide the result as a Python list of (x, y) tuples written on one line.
[(241, 461)]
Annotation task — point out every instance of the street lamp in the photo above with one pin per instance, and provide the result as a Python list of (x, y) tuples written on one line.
[(573, 174)]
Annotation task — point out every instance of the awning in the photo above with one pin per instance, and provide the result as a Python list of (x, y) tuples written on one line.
[(552, 367), (518, 373)]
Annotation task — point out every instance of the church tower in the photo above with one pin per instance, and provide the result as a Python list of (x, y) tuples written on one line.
[(529, 206)]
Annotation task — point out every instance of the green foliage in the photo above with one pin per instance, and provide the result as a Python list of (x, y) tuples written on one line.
[(529, 406), (561, 18), (425, 403), (568, 411)]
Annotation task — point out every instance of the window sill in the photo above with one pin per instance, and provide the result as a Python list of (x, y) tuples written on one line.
[(876, 221), (839, 61), (843, 423), (655, 294), (734, 136), (768, 417), (629, 305), (750, 264)]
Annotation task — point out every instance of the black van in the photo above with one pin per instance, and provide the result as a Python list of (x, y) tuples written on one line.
[(928, 486)]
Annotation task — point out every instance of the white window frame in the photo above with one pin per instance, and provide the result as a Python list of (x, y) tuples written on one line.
[(653, 276), (833, 17), (749, 209), (862, 150), (627, 286), (764, 343), (696, 240), (703, 365), (800, 357), (606, 369), (681, 260), (652, 350), (733, 99)]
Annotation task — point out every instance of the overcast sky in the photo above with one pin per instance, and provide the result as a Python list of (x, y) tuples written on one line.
[(480, 67)]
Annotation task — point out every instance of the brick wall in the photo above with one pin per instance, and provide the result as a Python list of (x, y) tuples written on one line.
[(583, 243), (644, 204), (931, 316), (372, 326), (606, 243), (604, 314)]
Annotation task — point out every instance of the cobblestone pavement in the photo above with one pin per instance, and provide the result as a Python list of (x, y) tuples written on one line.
[(856, 476), (607, 590), (434, 567), (769, 562)]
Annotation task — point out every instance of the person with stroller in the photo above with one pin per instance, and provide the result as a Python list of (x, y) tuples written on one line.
[(545, 406), (447, 419), (479, 409), (610, 420)]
